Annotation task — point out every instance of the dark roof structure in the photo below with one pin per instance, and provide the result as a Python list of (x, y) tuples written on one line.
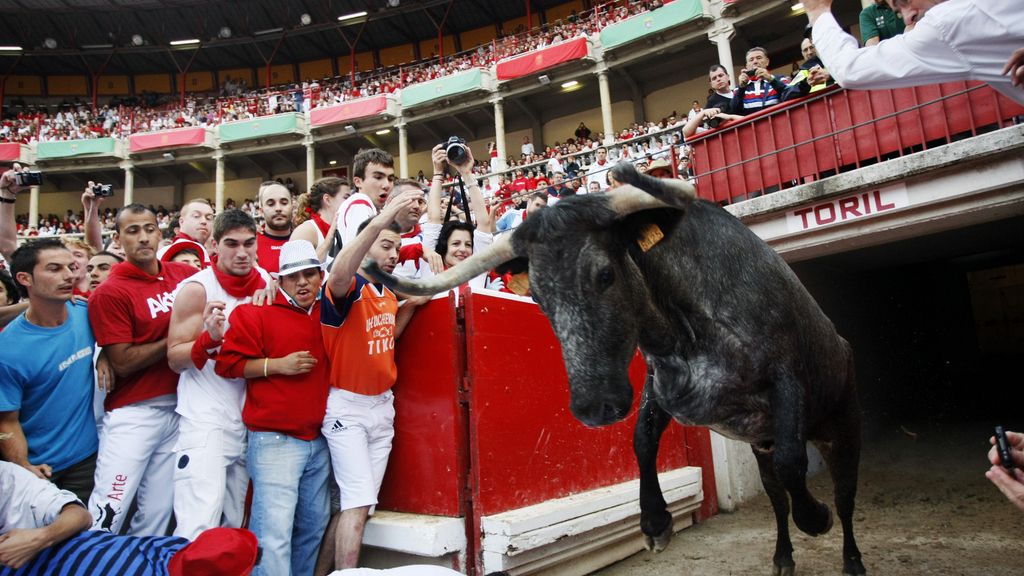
[(79, 36)]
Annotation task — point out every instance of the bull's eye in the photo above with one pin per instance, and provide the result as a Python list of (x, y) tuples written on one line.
[(605, 277)]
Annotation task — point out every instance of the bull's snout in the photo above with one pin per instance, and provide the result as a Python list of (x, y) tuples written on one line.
[(601, 411)]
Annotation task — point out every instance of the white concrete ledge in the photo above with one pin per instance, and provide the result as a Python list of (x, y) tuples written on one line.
[(416, 534)]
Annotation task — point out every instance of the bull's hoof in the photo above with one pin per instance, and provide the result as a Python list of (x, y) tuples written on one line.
[(854, 567), (660, 542), (818, 522), (783, 570)]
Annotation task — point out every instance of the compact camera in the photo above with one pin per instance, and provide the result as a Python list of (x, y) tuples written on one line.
[(456, 151), (103, 190), (752, 74), (30, 178)]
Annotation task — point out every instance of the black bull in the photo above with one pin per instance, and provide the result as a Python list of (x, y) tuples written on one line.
[(732, 340)]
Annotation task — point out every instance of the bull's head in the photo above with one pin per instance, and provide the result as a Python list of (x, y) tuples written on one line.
[(585, 281)]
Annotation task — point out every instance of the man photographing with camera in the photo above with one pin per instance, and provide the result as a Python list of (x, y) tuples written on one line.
[(759, 88)]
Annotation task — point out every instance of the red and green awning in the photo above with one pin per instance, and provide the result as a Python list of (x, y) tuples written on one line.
[(537, 60), (180, 138), (348, 111)]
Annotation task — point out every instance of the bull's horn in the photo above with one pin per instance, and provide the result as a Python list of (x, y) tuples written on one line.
[(677, 193), (625, 200), (498, 253)]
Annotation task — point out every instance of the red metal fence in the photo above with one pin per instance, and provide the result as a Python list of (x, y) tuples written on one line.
[(483, 424), (838, 130)]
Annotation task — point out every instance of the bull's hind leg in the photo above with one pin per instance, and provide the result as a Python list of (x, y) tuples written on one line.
[(783, 559), (842, 455), (655, 520)]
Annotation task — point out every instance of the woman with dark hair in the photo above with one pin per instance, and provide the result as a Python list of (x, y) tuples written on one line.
[(315, 217)]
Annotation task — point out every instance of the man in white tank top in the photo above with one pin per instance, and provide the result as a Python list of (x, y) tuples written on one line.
[(210, 478)]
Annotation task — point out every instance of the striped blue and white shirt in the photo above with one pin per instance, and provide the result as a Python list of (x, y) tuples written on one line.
[(96, 553)]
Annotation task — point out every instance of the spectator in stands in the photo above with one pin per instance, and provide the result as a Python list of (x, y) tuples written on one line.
[(374, 177), (210, 478), (98, 268), (558, 188), (582, 132), (277, 209), (46, 373), (694, 110), (719, 107), (513, 218), (812, 75), (596, 171), (358, 424), (8, 290), (950, 41), (759, 88), (320, 206), (130, 314), (527, 147), (878, 21), (34, 514), (280, 352)]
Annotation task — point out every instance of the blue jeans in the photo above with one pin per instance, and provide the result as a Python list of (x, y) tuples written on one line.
[(290, 505)]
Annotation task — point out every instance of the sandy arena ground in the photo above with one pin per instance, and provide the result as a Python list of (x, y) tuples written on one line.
[(924, 507)]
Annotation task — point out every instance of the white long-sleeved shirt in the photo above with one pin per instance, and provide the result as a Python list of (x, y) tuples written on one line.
[(955, 40)]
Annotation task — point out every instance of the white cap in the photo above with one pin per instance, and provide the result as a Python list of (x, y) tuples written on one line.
[(297, 255)]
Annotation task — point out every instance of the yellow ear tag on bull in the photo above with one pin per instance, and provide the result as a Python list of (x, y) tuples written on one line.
[(649, 236)]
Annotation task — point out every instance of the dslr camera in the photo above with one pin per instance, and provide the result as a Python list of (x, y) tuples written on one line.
[(103, 190), (30, 178), (456, 151)]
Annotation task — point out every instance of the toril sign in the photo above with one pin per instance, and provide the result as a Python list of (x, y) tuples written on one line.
[(847, 208)]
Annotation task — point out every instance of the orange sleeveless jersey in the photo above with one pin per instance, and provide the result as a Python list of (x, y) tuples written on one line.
[(359, 335)]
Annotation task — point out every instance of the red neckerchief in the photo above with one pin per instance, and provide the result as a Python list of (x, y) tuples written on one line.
[(321, 224), (239, 286)]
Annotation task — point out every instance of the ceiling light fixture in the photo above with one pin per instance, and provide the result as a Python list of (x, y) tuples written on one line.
[(351, 16), (184, 42), (10, 48), (570, 84), (797, 7), (305, 19), (382, 132), (333, 162), (267, 31)]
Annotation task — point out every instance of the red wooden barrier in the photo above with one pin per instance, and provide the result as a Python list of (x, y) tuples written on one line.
[(483, 424), (836, 130)]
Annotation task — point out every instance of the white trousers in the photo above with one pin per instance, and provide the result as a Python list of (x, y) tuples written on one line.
[(359, 430), (210, 478), (135, 462)]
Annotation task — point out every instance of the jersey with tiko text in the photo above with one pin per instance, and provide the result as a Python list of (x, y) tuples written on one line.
[(359, 336)]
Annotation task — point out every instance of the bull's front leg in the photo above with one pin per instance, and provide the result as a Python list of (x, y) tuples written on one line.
[(655, 520), (789, 459)]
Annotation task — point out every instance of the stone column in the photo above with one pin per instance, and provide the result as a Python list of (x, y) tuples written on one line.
[(33, 207), (403, 150), (218, 186), (129, 182), (606, 105), (310, 162), (499, 131), (722, 37)]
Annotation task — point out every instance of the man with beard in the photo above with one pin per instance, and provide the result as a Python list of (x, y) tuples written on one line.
[(210, 478), (275, 203), (373, 176), (130, 314)]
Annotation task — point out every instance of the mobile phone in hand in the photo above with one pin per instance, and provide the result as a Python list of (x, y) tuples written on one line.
[(1003, 446)]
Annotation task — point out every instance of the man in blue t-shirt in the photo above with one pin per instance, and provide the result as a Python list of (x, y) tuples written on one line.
[(46, 373)]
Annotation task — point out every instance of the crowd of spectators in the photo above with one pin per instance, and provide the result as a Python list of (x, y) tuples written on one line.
[(26, 123)]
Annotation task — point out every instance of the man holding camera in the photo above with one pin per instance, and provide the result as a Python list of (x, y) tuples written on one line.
[(759, 88)]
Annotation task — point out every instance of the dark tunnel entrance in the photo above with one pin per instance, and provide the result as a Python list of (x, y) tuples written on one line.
[(936, 323)]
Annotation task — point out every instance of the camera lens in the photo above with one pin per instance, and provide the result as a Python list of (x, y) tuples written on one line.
[(456, 153)]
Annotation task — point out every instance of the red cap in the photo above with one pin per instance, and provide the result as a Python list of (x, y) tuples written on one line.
[(169, 252), (217, 552)]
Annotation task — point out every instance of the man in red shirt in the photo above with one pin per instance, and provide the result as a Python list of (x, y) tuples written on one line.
[(276, 205), (279, 350), (130, 314)]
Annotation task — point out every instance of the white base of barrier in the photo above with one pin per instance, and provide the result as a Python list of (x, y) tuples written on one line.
[(581, 533), (398, 539)]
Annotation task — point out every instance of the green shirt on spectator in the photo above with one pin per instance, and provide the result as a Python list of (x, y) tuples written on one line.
[(879, 20)]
